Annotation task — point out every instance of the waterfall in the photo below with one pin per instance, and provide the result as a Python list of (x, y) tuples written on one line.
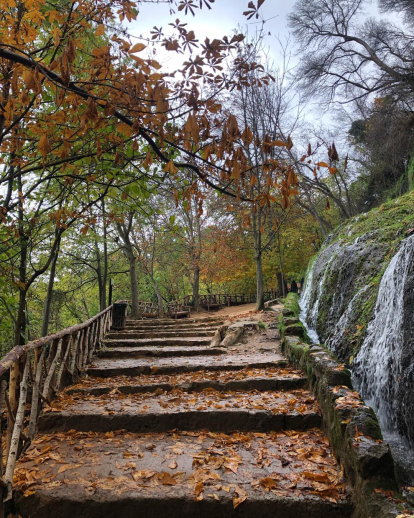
[(378, 366), (334, 342), (305, 303), (309, 311)]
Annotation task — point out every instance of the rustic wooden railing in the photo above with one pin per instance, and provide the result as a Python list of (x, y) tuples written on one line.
[(226, 299), (31, 375)]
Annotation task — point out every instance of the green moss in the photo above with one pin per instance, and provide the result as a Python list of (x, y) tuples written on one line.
[(392, 218), (292, 303)]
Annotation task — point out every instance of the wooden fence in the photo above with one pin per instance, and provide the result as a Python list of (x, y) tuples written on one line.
[(225, 299), (31, 375)]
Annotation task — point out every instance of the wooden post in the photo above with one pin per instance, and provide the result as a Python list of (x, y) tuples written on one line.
[(17, 430), (52, 369), (80, 350), (35, 407), (66, 345), (13, 400), (73, 361), (86, 347), (98, 334), (3, 388)]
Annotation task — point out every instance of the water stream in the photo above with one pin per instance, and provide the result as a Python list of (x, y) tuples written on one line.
[(377, 366), (384, 360), (304, 304)]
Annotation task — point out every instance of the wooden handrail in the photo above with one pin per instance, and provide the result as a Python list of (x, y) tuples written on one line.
[(17, 352), (37, 374)]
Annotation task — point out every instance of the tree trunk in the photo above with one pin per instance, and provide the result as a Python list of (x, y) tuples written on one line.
[(105, 259), (196, 287), (282, 286), (49, 294), (259, 284), (135, 312), (280, 276), (257, 241), (124, 233), (159, 297), (20, 327)]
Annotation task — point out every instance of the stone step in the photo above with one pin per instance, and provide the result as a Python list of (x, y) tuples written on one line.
[(210, 409), (249, 383), (159, 352), (183, 475), (267, 378), (104, 368), (167, 329), (158, 342), (175, 322), (160, 333)]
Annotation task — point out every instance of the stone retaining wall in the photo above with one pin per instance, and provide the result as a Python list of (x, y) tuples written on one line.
[(351, 426)]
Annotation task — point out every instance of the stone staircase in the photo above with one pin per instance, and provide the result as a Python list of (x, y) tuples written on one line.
[(165, 425)]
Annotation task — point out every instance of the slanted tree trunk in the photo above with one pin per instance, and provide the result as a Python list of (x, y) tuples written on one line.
[(49, 294), (20, 327), (103, 299)]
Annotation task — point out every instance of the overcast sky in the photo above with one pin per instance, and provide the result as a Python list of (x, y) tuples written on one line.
[(221, 20)]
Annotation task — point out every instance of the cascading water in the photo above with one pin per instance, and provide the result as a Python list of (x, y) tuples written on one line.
[(304, 303), (310, 299), (383, 369), (377, 367), (335, 340)]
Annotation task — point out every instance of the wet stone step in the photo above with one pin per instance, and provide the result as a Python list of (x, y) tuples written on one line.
[(259, 475), (268, 378), (159, 352), (174, 322), (160, 412), (160, 342), (258, 383), (158, 333), (104, 368)]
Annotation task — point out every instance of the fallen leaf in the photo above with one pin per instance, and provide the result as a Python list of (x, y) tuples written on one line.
[(199, 492)]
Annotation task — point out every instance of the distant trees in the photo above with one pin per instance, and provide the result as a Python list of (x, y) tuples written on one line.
[(346, 59), (384, 143)]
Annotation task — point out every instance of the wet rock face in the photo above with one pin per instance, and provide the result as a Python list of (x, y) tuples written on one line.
[(341, 302), (342, 291), (405, 412)]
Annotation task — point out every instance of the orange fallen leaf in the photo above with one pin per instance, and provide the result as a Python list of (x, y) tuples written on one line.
[(268, 483), (199, 492), (65, 467)]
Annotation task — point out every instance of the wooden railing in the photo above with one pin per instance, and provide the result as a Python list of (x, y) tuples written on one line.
[(31, 375), (209, 301), (226, 299)]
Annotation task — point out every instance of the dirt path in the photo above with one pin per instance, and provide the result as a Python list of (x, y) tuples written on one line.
[(232, 311)]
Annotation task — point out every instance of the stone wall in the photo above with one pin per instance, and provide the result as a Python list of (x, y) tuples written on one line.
[(351, 427)]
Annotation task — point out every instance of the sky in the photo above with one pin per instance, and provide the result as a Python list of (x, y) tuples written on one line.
[(222, 19)]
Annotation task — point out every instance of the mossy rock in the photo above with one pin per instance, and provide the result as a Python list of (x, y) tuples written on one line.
[(295, 330), (367, 423), (290, 321)]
